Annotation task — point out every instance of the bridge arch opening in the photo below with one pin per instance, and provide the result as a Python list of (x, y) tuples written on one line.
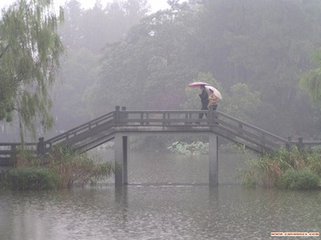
[(123, 161)]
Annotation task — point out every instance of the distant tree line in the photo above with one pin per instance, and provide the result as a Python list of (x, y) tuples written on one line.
[(85, 34), (259, 53), (256, 52)]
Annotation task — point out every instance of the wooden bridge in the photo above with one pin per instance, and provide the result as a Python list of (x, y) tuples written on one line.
[(121, 123)]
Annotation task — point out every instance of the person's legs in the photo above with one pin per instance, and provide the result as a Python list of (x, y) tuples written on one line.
[(200, 116), (214, 107)]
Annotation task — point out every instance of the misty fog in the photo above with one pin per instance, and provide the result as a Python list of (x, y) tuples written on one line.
[(256, 52)]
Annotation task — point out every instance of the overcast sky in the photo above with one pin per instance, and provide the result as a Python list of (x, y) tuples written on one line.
[(155, 4)]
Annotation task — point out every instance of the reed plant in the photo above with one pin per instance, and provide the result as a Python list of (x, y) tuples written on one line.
[(285, 169), (30, 178), (61, 168), (76, 169)]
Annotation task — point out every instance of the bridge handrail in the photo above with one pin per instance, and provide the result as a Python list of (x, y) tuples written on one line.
[(253, 127), (76, 130), (4, 144), (307, 141), (304, 144), (101, 129), (9, 147), (169, 112)]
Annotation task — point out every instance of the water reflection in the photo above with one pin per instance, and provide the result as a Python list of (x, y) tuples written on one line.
[(151, 168), (157, 212), (152, 209)]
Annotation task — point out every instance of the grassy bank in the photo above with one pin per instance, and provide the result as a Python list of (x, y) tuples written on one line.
[(285, 169), (62, 168)]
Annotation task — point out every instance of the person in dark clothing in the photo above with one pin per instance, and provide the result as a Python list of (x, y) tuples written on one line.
[(204, 100)]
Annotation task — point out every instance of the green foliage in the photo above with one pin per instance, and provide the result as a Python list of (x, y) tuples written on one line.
[(262, 172), (241, 102), (190, 149), (27, 159), (149, 62), (29, 55), (286, 169), (251, 48), (81, 65), (311, 81), (299, 180), (63, 168), (76, 169), (82, 26), (31, 179)]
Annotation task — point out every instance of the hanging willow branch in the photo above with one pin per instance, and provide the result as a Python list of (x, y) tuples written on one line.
[(29, 62), (312, 80), (4, 51)]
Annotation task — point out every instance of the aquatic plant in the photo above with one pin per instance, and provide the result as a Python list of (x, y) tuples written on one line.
[(189, 149), (294, 179), (199, 147), (73, 168), (284, 169), (62, 168), (30, 179)]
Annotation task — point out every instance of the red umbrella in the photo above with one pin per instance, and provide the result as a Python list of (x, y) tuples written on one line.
[(197, 84)]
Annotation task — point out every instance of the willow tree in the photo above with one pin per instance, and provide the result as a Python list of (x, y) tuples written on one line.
[(29, 56), (312, 80)]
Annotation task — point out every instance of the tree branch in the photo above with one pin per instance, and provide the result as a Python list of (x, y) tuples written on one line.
[(4, 51)]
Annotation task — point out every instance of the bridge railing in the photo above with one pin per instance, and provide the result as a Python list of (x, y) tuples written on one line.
[(160, 118), (229, 126), (9, 151), (249, 132), (95, 131), (81, 129), (303, 144)]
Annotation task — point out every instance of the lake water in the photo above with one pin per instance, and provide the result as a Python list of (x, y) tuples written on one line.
[(169, 199)]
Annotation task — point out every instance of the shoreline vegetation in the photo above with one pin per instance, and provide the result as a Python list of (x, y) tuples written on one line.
[(61, 169), (294, 170)]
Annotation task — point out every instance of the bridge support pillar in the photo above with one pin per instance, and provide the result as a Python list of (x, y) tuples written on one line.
[(213, 160), (121, 156)]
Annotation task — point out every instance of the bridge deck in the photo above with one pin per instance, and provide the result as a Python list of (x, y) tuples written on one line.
[(102, 129)]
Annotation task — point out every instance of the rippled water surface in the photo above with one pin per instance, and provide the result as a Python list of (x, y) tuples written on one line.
[(158, 211)]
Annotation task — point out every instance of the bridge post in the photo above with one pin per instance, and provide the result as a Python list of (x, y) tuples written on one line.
[(288, 144), (41, 148), (13, 157), (117, 115), (123, 115), (210, 117), (300, 144), (121, 155), (213, 160)]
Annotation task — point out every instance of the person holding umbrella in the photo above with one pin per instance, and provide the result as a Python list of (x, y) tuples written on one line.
[(209, 95), (213, 98), (204, 100)]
